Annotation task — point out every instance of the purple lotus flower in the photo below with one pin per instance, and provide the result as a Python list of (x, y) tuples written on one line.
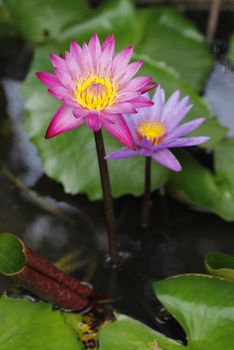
[(96, 86), (155, 129)]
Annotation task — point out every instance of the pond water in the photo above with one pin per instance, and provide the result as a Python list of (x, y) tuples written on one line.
[(53, 223)]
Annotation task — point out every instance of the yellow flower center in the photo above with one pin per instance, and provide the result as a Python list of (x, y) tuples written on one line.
[(151, 131), (95, 93)]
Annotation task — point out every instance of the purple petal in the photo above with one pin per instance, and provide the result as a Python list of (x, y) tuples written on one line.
[(121, 153), (48, 79), (188, 141), (118, 128), (62, 121), (93, 121), (170, 105), (179, 113), (167, 159), (184, 129), (156, 110)]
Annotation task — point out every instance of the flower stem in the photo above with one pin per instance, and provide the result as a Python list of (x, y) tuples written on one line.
[(108, 203), (147, 194)]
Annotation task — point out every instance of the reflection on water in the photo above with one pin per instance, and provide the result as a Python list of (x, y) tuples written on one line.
[(22, 156), (219, 94)]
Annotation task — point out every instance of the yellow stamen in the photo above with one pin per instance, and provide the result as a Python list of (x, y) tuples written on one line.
[(151, 131), (95, 93)]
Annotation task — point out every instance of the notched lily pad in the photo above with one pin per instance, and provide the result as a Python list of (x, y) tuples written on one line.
[(33, 326), (220, 264), (203, 305)]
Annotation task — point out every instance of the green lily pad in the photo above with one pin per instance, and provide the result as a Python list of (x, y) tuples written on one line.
[(220, 264), (203, 306), (12, 258), (198, 186), (169, 37), (42, 20), (33, 326)]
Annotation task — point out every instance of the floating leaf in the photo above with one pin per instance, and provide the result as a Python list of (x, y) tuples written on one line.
[(199, 187), (43, 20), (169, 37), (12, 258), (203, 305), (33, 326), (220, 264)]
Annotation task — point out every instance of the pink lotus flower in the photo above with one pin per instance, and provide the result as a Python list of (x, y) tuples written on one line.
[(155, 129), (96, 86)]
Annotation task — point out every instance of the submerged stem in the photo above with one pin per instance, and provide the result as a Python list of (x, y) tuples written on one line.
[(108, 203), (147, 194)]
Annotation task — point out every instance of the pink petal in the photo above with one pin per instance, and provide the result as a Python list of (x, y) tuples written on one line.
[(73, 66), (58, 62), (137, 84), (167, 159), (105, 60), (65, 78), (87, 60), (124, 75), (62, 121), (93, 121), (127, 96), (48, 79), (122, 58), (77, 54), (141, 102), (151, 85), (123, 107), (121, 153), (95, 48), (59, 92), (118, 128), (109, 43)]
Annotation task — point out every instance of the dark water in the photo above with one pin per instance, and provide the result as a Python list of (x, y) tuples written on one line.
[(53, 223)]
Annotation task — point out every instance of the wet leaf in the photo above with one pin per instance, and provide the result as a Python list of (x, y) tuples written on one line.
[(203, 306), (12, 258), (169, 37), (220, 264), (43, 20), (33, 326), (199, 187)]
